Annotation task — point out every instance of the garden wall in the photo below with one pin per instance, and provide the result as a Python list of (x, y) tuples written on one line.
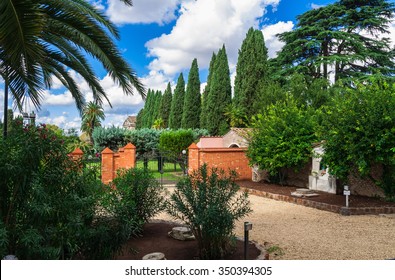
[(224, 158), (111, 162)]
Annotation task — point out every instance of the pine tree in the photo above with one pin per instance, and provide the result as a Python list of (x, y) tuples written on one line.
[(165, 106), (251, 72), (192, 101), (206, 92), (341, 38), (220, 95), (177, 104)]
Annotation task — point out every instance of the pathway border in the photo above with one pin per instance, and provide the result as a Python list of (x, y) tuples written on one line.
[(347, 211)]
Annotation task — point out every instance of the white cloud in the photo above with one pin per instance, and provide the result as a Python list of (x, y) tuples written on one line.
[(272, 42), (316, 6), (142, 11), (391, 35), (202, 28), (156, 80)]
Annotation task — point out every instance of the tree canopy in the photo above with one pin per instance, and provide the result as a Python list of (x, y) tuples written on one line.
[(343, 39), (251, 71), (192, 102)]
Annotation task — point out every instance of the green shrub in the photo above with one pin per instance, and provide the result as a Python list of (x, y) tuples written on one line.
[(209, 203), (134, 198), (359, 132), (47, 200), (283, 137)]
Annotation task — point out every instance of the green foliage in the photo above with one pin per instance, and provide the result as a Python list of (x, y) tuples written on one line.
[(135, 198), (171, 143), (165, 106), (47, 201), (43, 39), (192, 103), (251, 72), (359, 130), (177, 104), (92, 115), (340, 38), (111, 137), (204, 113), (283, 137), (208, 201), (220, 95)]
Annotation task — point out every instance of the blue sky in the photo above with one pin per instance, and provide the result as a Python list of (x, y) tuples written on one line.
[(160, 38)]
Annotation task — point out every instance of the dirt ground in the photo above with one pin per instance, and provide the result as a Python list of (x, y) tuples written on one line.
[(297, 232), (155, 239)]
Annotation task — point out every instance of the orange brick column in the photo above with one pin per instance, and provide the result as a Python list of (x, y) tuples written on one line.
[(193, 158), (129, 156), (107, 166), (77, 154)]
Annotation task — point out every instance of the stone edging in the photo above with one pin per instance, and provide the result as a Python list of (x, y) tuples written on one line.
[(324, 206)]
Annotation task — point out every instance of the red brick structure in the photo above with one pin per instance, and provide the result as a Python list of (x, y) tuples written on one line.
[(77, 154), (224, 158), (111, 162)]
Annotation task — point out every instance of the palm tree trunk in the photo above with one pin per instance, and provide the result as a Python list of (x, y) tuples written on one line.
[(5, 124)]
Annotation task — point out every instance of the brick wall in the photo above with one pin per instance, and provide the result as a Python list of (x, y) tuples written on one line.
[(224, 158), (111, 162)]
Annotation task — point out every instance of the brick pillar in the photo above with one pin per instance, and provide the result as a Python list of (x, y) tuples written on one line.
[(193, 158), (77, 154), (129, 160), (107, 166)]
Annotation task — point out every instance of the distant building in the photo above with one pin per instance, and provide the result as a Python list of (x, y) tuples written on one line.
[(130, 123)]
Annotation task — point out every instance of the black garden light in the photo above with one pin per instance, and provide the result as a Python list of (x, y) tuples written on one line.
[(247, 228)]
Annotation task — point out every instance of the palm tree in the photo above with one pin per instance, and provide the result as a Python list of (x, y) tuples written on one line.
[(92, 115), (40, 39)]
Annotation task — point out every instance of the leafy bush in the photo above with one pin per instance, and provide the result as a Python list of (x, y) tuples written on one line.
[(208, 202), (359, 131), (111, 137), (46, 199), (283, 137), (173, 142), (134, 198)]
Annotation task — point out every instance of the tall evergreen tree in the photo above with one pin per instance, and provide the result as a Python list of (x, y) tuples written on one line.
[(148, 108), (156, 108), (192, 101), (206, 92), (342, 38), (165, 106), (251, 71), (220, 95), (139, 119), (177, 104)]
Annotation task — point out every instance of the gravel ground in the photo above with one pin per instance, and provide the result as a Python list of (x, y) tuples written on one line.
[(294, 232)]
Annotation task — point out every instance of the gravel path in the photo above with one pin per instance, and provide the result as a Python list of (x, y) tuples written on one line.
[(301, 233)]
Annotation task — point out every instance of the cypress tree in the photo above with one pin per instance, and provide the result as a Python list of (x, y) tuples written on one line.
[(156, 108), (251, 71), (148, 107), (139, 119), (165, 106), (177, 104), (192, 102), (206, 92), (220, 95)]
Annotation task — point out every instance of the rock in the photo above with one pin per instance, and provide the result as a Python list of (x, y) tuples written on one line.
[(181, 233), (154, 256), (304, 193), (10, 257)]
